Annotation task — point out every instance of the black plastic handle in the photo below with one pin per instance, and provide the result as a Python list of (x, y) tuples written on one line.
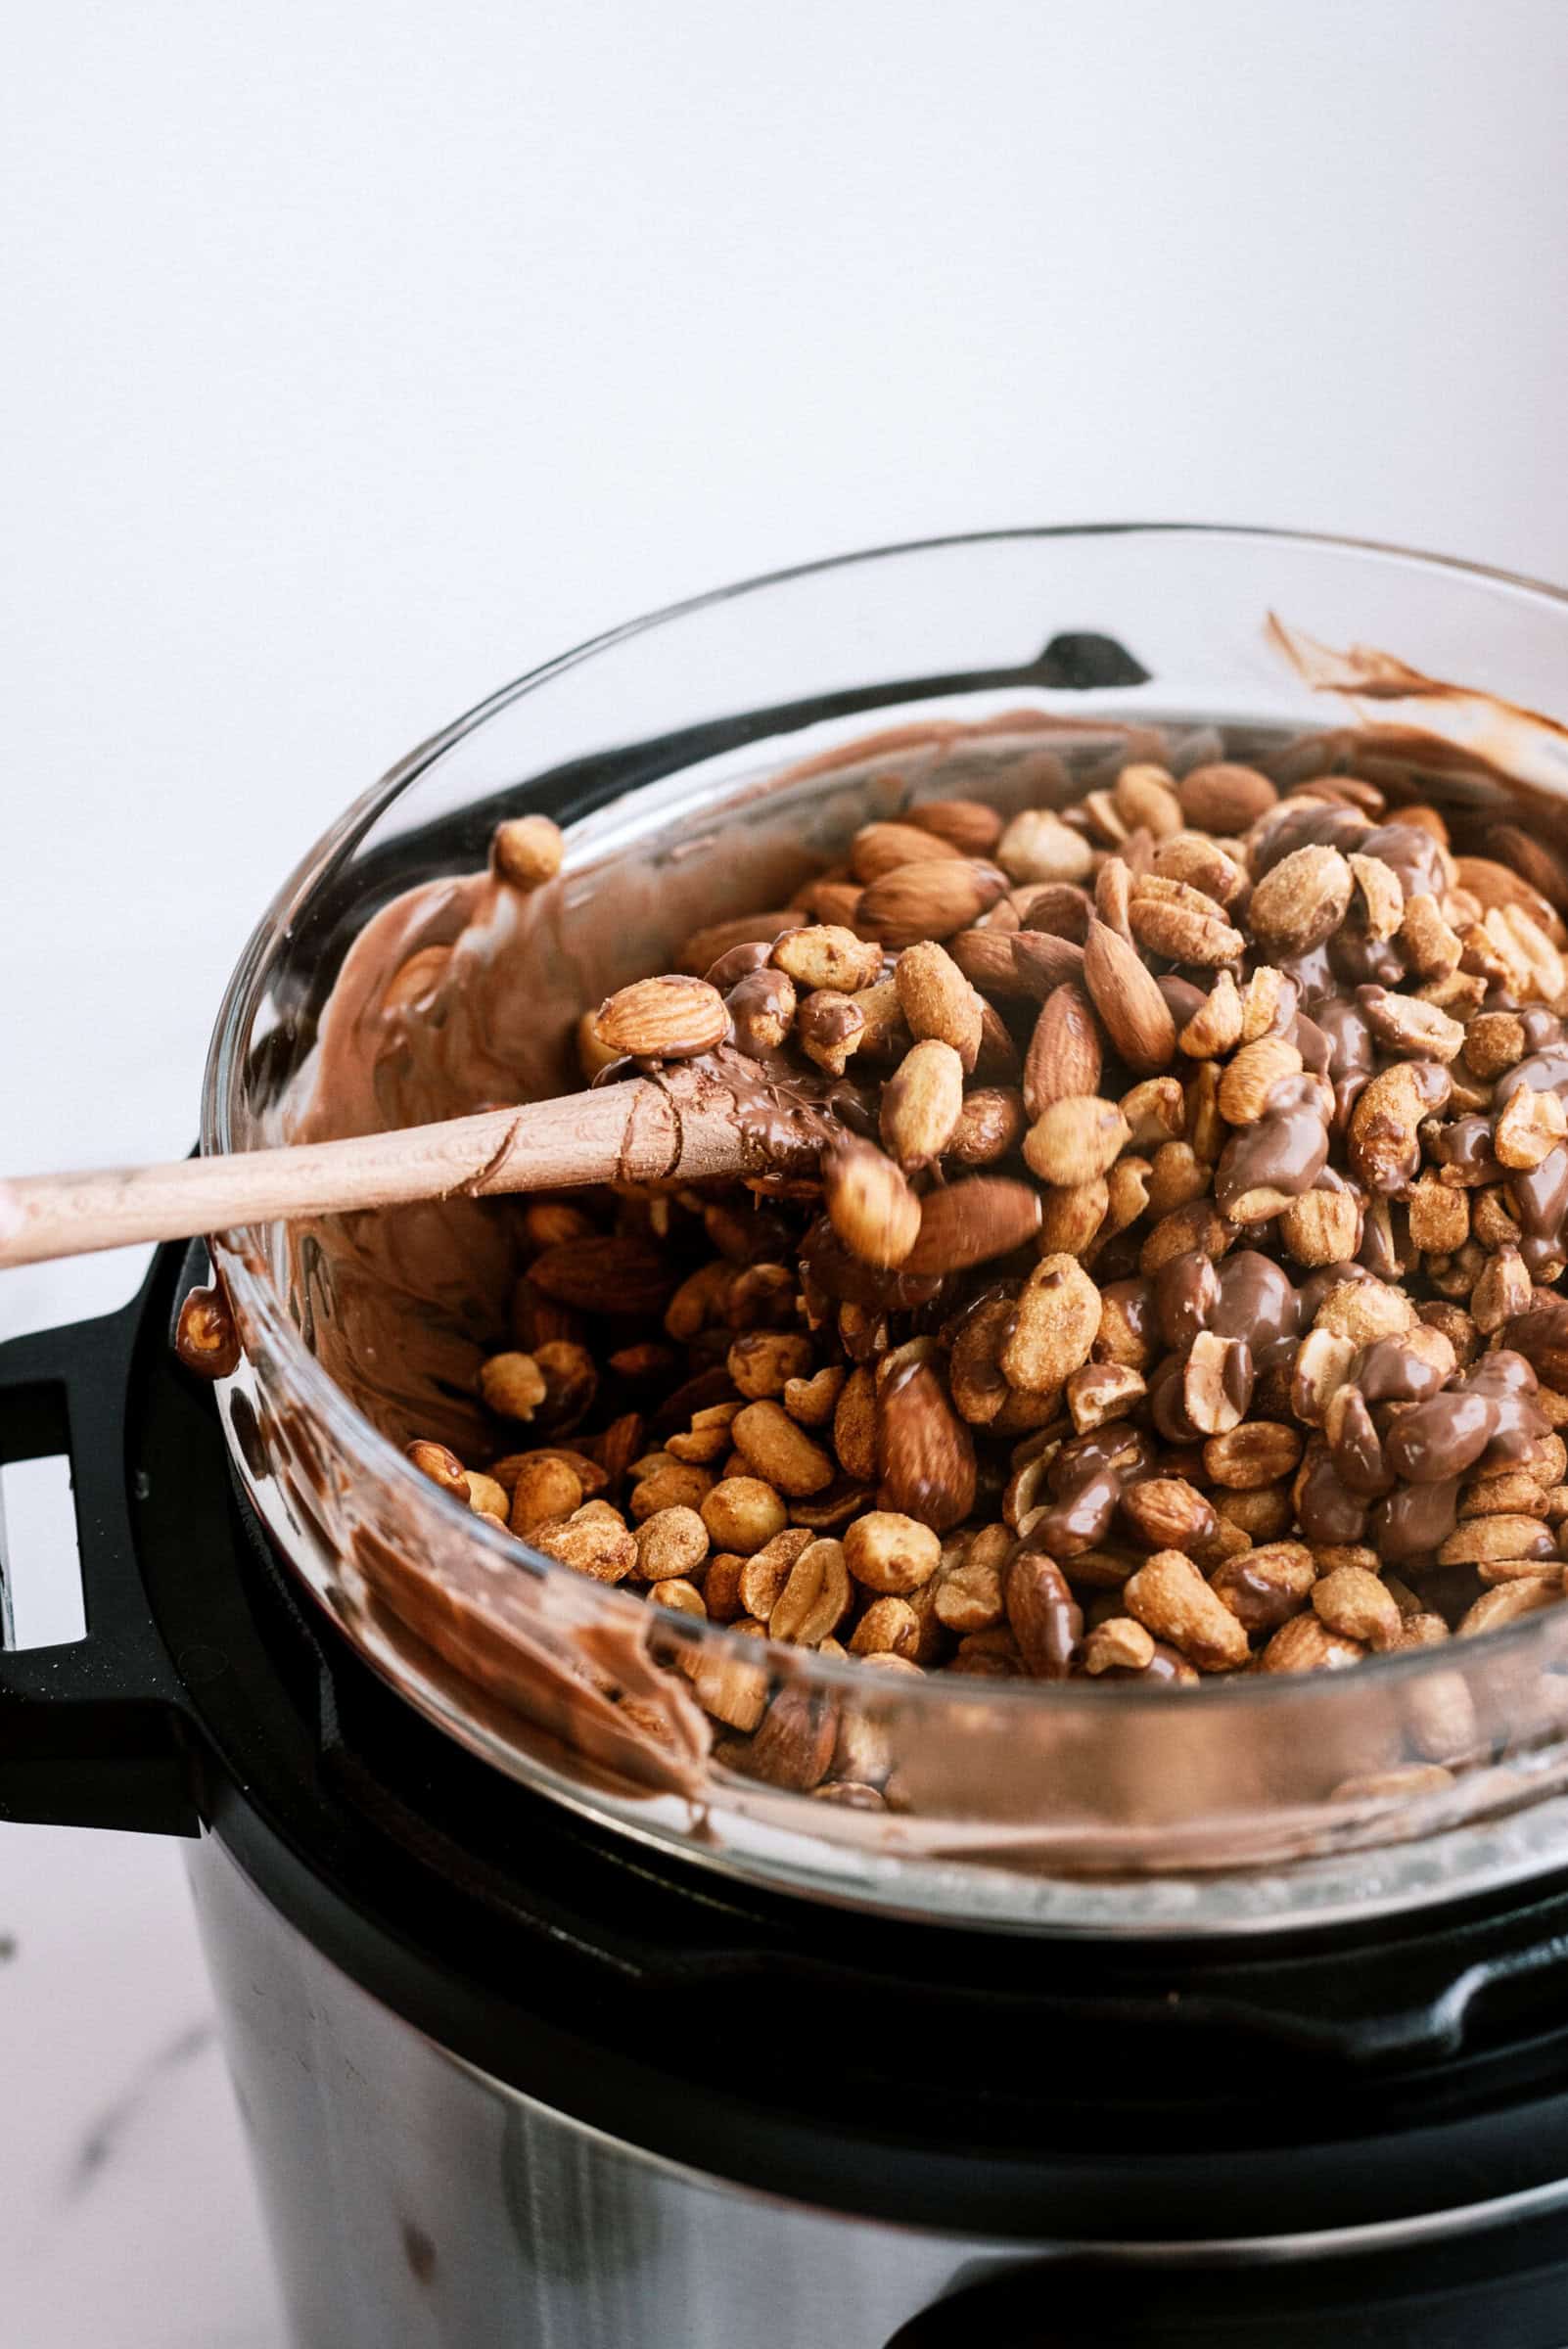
[(91, 1730)]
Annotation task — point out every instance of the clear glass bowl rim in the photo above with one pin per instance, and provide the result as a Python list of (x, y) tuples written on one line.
[(373, 1454)]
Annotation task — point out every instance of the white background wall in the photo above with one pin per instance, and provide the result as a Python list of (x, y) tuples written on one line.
[(359, 356)]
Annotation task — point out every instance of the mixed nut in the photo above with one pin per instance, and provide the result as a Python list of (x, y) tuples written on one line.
[(1178, 1294)]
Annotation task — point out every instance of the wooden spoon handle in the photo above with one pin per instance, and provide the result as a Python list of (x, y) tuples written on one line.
[(642, 1131)]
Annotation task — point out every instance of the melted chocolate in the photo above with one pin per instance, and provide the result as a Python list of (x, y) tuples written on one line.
[(1286, 1150), (1086, 1481)]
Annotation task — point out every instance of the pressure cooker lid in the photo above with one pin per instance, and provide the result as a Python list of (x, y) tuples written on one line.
[(958, 2079)]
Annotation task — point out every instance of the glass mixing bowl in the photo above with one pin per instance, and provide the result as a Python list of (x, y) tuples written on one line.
[(701, 760)]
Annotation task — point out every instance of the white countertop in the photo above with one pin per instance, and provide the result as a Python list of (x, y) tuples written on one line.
[(358, 358), (128, 2219)]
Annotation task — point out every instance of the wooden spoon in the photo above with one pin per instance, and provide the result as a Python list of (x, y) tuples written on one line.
[(682, 1125)]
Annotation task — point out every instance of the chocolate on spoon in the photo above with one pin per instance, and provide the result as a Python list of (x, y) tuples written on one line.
[(721, 1118)]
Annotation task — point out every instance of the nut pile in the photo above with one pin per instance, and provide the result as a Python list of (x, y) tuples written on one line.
[(1178, 1295)]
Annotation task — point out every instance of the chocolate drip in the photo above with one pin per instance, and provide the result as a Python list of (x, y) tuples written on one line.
[(1086, 1481), (1286, 1150)]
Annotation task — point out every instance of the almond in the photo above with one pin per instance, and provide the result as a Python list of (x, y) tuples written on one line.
[(986, 959), (671, 1018), (969, 826), (1113, 895), (925, 1451), (1041, 962), (793, 1746), (931, 898), (1042, 1614), (1224, 799), (1059, 907), (1063, 1056), (968, 1222), (831, 900), (1536, 875), (1137, 1017), (879, 848), (607, 1273), (444, 1468)]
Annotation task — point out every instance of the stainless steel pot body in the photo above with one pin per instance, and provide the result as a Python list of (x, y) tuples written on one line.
[(415, 2202)]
